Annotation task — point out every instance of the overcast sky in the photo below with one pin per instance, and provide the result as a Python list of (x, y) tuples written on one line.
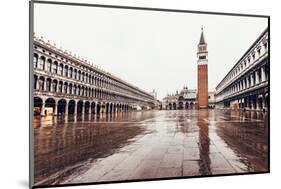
[(149, 49)]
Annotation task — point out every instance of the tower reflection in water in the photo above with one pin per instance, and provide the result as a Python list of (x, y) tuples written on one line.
[(204, 142)]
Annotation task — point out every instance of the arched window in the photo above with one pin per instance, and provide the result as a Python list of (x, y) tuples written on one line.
[(35, 82), (65, 88), (82, 91), (78, 75), (74, 89), (35, 60), (49, 65), (78, 90), (41, 83), (55, 83), (60, 87), (41, 63), (55, 67), (60, 69), (82, 78), (65, 71), (74, 74), (48, 84), (70, 72), (70, 88)]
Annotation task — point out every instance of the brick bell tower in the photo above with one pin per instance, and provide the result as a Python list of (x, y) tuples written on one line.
[(202, 71)]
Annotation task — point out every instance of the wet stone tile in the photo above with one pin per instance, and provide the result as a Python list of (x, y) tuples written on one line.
[(191, 168), (175, 149), (191, 154), (129, 163), (115, 175), (172, 160), (147, 169), (219, 165), (164, 172)]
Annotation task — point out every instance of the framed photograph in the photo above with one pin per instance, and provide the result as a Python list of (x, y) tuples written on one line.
[(124, 94)]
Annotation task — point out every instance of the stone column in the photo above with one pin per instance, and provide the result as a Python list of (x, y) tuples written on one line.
[(90, 109), (75, 107), (257, 103), (43, 109), (37, 84), (66, 108), (262, 74), (55, 109), (257, 77), (252, 104), (252, 80)]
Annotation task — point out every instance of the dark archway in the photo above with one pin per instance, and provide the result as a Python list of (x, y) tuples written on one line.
[(50, 103), (186, 105), (80, 107), (61, 106), (93, 106), (170, 106), (191, 105), (37, 105), (107, 107), (174, 106), (71, 107), (180, 106), (98, 108), (87, 107)]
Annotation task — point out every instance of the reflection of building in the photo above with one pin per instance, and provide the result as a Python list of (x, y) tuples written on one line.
[(186, 99), (211, 99), (68, 85), (202, 71), (246, 85)]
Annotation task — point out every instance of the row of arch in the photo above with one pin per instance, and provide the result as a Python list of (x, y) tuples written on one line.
[(180, 105), (255, 77), (97, 79), (57, 86), (50, 106), (251, 58)]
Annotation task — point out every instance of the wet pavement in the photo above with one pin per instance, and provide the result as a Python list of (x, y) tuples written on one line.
[(149, 145)]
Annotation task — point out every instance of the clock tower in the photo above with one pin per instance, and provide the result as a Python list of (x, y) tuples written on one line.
[(202, 73)]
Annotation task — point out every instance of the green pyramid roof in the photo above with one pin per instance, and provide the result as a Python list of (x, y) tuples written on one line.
[(202, 39)]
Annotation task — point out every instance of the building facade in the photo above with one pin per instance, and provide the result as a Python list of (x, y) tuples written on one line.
[(245, 86), (202, 71), (66, 84), (185, 99)]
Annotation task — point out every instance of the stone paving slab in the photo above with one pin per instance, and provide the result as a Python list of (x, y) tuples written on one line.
[(191, 168), (168, 172)]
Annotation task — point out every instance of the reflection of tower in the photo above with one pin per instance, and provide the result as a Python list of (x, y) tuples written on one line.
[(202, 71), (204, 142)]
